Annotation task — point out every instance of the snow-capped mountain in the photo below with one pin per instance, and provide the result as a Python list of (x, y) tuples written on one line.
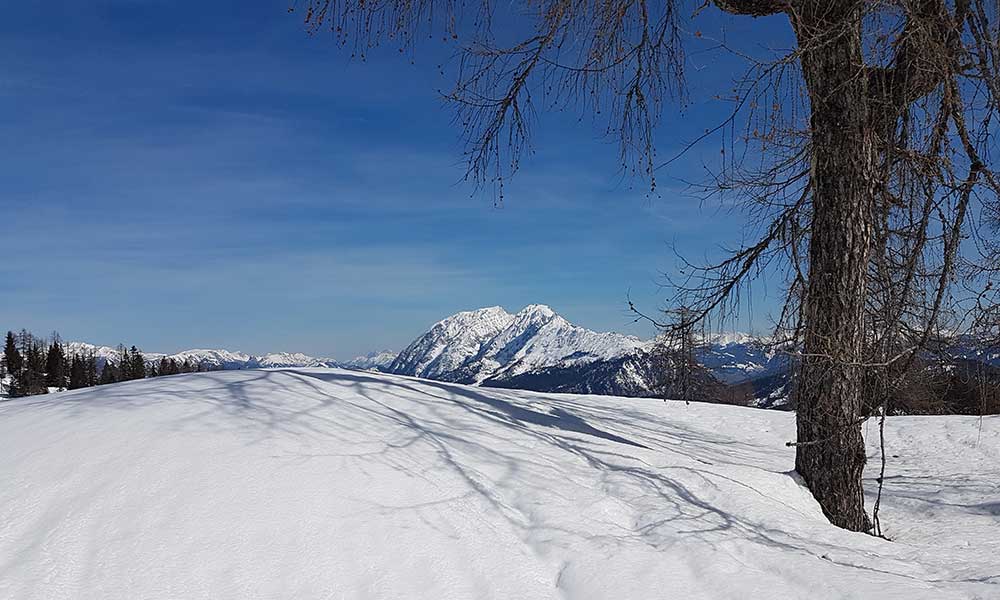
[(451, 343), (751, 365), (219, 359), (490, 346), (970, 348), (733, 358), (206, 358), (536, 349), (103, 354), (291, 359), (375, 361), (634, 374)]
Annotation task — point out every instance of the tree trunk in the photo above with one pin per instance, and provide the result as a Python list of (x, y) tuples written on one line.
[(830, 454)]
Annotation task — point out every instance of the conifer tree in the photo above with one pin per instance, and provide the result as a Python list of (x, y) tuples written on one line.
[(124, 365), (90, 369), (77, 373), (34, 365), (109, 374), (15, 364), (55, 364), (137, 367)]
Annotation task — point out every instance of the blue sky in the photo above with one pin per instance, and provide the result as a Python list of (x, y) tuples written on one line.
[(188, 174)]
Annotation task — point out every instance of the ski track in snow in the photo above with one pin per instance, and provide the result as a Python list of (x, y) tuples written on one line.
[(324, 483)]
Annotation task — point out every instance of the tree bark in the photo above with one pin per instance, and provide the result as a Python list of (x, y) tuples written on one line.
[(830, 454)]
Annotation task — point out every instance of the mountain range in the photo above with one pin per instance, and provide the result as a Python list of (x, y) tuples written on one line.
[(533, 349), (211, 359), (537, 349)]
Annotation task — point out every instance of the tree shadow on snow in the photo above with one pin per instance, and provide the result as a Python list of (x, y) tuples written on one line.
[(672, 495)]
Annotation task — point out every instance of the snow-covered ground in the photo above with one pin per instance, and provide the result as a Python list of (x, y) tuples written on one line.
[(323, 483)]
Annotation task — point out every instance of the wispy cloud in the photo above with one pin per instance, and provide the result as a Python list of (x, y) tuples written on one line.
[(227, 181)]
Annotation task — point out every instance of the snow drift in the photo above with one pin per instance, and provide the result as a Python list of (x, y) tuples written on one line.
[(321, 483)]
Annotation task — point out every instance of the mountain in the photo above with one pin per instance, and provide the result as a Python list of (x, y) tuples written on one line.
[(207, 358), (451, 343), (494, 348), (291, 359), (633, 374), (373, 361), (534, 349), (103, 354), (537, 349), (969, 348), (738, 357), (217, 359), (751, 367)]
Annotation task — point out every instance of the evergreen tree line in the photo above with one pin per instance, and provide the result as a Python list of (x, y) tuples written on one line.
[(32, 365)]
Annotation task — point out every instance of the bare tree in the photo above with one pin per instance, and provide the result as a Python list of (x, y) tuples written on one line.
[(870, 182), (676, 359)]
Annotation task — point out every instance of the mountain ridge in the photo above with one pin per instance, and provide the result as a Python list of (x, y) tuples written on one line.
[(537, 349), (211, 358), (534, 348), (491, 345)]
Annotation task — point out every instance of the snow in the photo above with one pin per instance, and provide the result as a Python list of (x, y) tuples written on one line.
[(288, 359), (379, 361), (474, 346), (218, 358), (538, 348), (103, 354), (325, 483), (451, 342), (490, 346), (561, 343), (730, 338)]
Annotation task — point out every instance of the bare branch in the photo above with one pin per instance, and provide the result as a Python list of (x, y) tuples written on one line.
[(752, 8)]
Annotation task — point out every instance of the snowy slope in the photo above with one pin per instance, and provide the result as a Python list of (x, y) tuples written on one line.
[(325, 483)]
